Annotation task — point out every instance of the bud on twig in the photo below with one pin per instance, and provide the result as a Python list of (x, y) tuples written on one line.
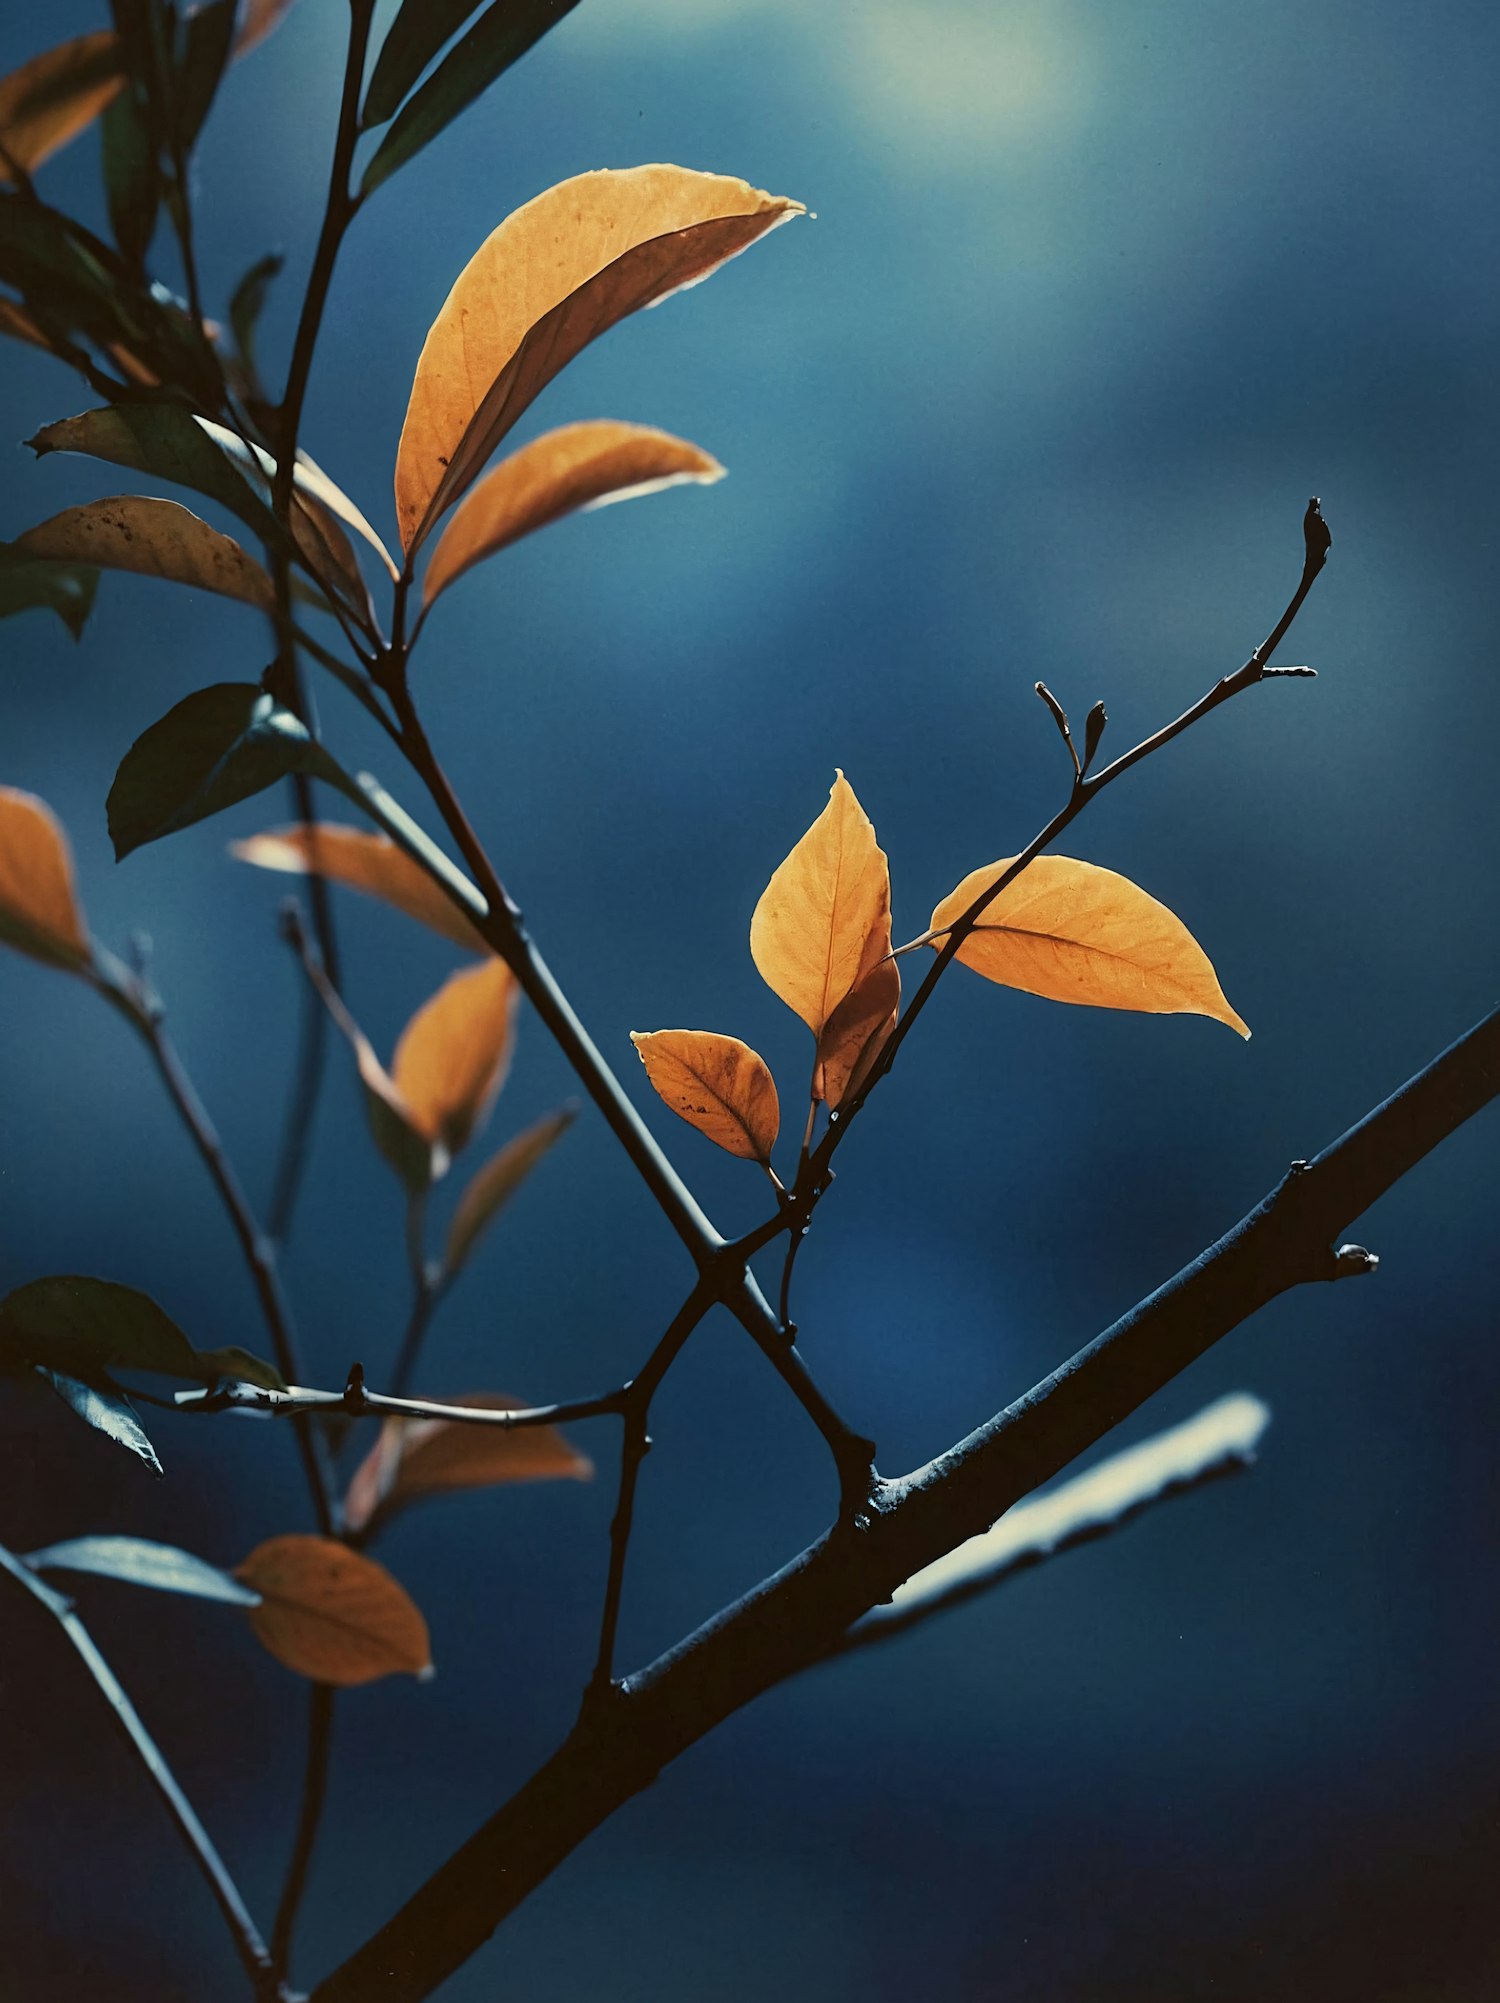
[(1093, 730)]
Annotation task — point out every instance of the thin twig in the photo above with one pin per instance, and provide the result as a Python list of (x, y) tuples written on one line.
[(297, 1401), (309, 1819)]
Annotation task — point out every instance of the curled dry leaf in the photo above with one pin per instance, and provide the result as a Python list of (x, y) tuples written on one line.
[(39, 912), (51, 99), (553, 277), (331, 1613), (365, 862), (816, 917), (454, 1053), (717, 1084), (417, 1457), (579, 466), (493, 1185), (1073, 932), (155, 538)]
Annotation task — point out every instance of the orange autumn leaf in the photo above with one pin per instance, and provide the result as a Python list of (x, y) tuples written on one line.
[(49, 100), (332, 1614), (860, 1027), (717, 1084), (417, 1457), (579, 466), (554, 276), (39, 910), (496, 1183), (454, 1053), (156, 539), (1073, 932), (815, 918), (365, 862)]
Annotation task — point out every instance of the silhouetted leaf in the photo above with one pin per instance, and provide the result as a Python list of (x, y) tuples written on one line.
[(493, 1185), (207, 40), (39, 909), (105, 1407), (132, 177), (811, 929), (717, 1084), (219, 745), (51, 99), (552, 278), (1075, 933), (28, 582), (413, 39), (331, 1614), (165, 440), (579, 466), (247, 303), (500, 37), (83, 1326), (155, 539), (138, 1561), (422, 1457), (365, 862), (454, 1053)]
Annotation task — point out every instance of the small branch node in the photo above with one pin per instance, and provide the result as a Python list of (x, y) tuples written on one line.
[(355, 1398)]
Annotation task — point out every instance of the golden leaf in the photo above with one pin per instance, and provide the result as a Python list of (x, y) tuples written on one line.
[(332, 1614), (579, 466), (454, 1053), (39, 912), (717, 1084), (554, 276), (365, 862), (815, 918), (860, 1027), (394, 1124), (417, 1457), (50, 100), (1075, 933), (155, 538), (493, 1185)]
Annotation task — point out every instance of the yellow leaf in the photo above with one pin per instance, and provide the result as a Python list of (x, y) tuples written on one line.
[(417, 1457), (39, 912), (365, 862), (455, 1052), (861, 1025), (814, 921), (717, 1084), (499, 1179), (50, 100), (554, 276), (155, 538), (1075, 933), (579, 466), (332, 1614)]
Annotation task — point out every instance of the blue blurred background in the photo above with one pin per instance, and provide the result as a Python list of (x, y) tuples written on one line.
[(1095, 297)]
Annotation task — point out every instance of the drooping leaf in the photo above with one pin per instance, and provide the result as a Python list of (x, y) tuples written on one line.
[(105, 1407), (315, 486), (33, 582), (717, 1084), (154, 538), (553, 277), (493, 1185), (166, 441), (393, 1124), (815, 918), (454, 1053), (365, 862), (500, 37), (39, 909), (139, 1561), (217, 746), (412, 40), (1073, 932), (420, 1457), (332, 1614), (51, 99), (580, 466), (246, 304), (83, 1326)]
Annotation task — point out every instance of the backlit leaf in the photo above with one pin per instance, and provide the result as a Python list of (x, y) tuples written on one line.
[(1073, 932), (50, 100), (217, 746), (552, 278), (499, 1179), (39, 912), (417, 1457), (454, 1053), (717, 1084), (579, 466), (105, 1407), (332, 1614), (365, 862), (28, 582), (138, 1561), (861, 1025), (815, 918), (155, 538), (393, 1123)]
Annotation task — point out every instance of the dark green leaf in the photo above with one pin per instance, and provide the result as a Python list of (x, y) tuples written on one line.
[(207, 37), (166, 441), (246, 304), (416, 35), (64, 588), (132, 181), (218, 746), (500, 37), (140, 1562), (105, 1407), (241, 1366), (84, 1327)]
